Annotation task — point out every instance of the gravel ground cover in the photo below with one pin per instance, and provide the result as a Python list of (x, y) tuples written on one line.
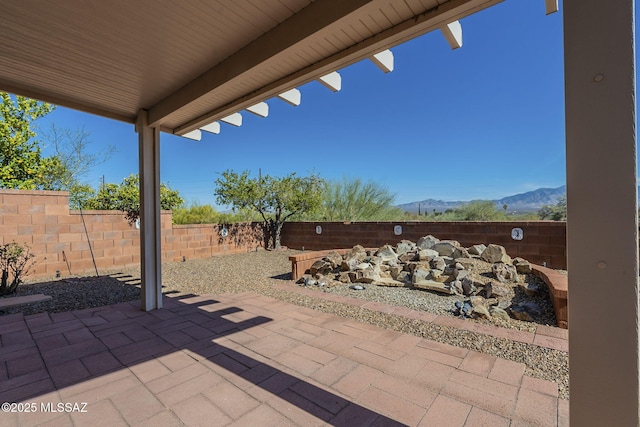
[(260, 271)]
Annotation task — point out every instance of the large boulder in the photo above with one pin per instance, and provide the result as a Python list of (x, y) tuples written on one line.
[(445, 248), (386, 253), (438, 263), (427, 242), (460, 252), (427, 254), (504, 272), (354, 257), (495, 253), (493, 289), (522, 265), (405, 246), (321, 267), (334, 258), (477, 249)]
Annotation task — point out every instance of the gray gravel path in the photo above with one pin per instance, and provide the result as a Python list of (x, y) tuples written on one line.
[(261, 271)]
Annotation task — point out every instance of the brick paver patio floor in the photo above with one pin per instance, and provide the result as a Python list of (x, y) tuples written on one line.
[(249, 360)]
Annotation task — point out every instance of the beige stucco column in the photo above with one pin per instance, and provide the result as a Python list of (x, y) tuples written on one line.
[(602, 223), (150, 239)]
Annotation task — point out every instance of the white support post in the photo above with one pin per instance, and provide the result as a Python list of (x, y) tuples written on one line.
[(602, 222), (150, 250)]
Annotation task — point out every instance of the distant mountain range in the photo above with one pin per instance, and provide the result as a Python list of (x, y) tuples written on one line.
[(531, 201)]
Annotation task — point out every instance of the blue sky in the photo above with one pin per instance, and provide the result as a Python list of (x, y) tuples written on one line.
[(481, 122)]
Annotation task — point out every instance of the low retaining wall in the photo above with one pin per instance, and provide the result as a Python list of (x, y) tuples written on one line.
[(556, 282)]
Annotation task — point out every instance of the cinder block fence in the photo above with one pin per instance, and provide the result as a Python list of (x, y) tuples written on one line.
[(69, 241), (543, 242)]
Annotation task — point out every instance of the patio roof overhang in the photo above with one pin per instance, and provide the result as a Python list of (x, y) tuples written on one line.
[(176, 66), (190, 63)]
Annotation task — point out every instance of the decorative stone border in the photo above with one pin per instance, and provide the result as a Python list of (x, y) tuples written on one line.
[(559, 290), (557, 283)]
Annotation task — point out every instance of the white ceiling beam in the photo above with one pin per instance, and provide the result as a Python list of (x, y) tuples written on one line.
[(196, 135), (292, 96), (260, 109), (453, 33), (332, 81), (298, 27), (234, 119), (212, 128), (551, 6), (409, 29), (383, 60)]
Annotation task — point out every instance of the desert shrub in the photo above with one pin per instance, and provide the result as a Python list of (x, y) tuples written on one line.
[(15, 262)]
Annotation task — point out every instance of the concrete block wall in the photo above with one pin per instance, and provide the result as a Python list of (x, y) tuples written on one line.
[(543, 241), (63, 240)]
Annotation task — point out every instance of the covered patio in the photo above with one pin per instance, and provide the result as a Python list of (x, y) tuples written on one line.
[(179, 67), (247, 359)]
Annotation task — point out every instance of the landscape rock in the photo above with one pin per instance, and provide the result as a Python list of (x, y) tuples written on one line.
[(334, 258), (431, 285), (499, 313), (408, 257), (386, 253), (481, 311), (420, 273), (321, 266), (526, 311), (504, 272), (405, 246), (495, 289), (495, 253), (343, 277), (460, 252), (427, 242), (468, 286), (388, 282), (427, 254), (476, 249), (444, 248), (438, 263), (522, 265), (467, 263)]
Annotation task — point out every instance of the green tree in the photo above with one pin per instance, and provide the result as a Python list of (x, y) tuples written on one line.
[(126, 197), (22, 165), (275, 199), (557, 212), (355, 200)]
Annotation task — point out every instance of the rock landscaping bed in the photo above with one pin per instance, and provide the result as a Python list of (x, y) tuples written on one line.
[(480, 282)]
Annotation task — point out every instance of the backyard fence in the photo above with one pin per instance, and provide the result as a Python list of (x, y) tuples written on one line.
[(74, 242)]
